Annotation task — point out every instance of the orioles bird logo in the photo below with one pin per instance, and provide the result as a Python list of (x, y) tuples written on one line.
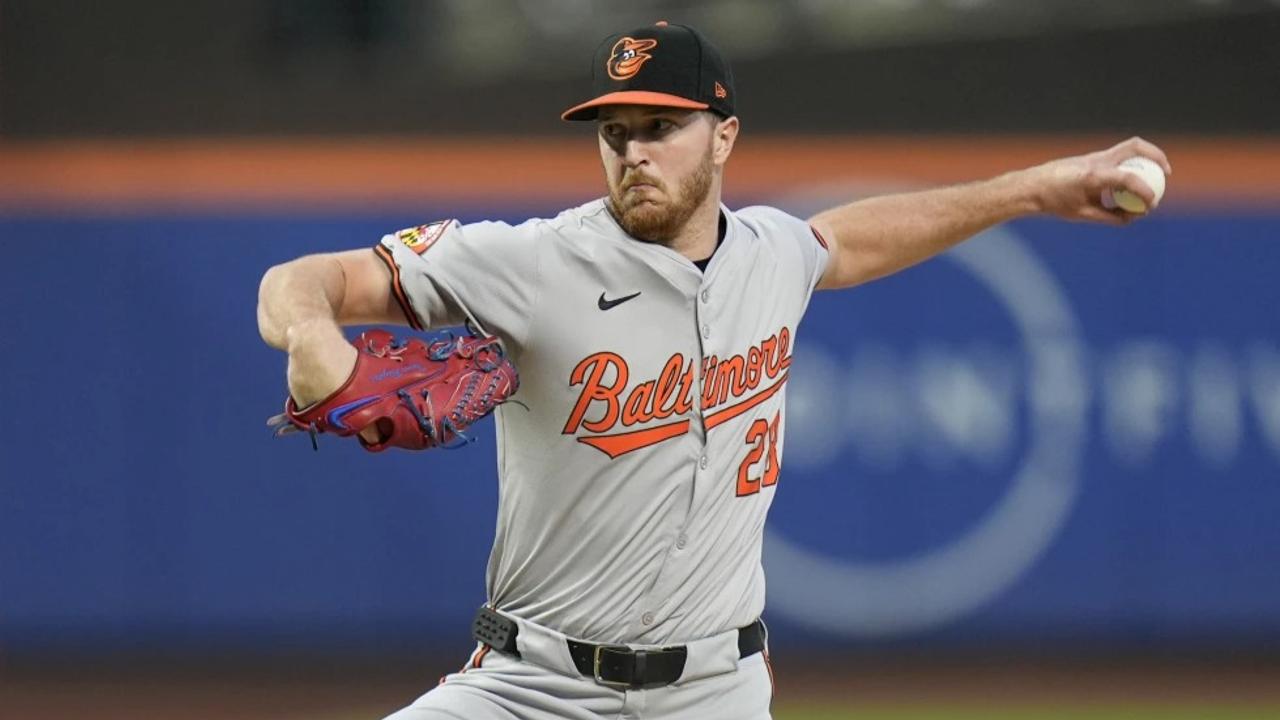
[(627, 56)]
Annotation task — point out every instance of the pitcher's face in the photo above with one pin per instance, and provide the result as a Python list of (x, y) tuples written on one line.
[(659, 163)]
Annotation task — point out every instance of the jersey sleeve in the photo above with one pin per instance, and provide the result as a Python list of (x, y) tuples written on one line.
[(446, 273), (795, 240)]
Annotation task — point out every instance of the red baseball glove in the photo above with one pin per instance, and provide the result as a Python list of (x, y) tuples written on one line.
[(417, 395)]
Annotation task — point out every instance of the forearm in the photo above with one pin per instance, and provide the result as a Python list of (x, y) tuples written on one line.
[(304, 291), (298, 304), (882, 235)]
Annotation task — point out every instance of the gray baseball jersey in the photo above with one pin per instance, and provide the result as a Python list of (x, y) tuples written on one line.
[(634, 488)]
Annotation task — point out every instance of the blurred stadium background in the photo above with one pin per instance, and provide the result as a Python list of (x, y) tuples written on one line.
[(1038, 477)]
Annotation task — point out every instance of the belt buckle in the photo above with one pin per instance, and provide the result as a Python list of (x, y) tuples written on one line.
[(621, 649)]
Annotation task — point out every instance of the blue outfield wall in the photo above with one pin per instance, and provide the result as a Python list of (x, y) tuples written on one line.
[(1056, 434)]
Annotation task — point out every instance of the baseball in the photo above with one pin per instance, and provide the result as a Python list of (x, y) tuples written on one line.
[(1151, 173)]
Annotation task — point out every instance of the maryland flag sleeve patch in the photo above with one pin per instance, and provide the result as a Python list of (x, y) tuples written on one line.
[(420, 239)]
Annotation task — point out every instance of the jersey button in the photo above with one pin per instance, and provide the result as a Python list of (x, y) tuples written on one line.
[(702, 462), (706, 296), (681, 542), (706, 331), (647, 618)]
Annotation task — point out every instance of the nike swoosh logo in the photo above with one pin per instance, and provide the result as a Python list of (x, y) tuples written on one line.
[(610, 304)]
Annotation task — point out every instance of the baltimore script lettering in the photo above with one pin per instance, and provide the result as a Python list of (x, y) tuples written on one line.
[(726, 385)]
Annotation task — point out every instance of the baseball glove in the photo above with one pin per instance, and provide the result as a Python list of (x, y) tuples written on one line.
[(416, 394)]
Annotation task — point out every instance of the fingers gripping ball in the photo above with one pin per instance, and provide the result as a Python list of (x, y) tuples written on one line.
[(417, 395), (1151, 173)]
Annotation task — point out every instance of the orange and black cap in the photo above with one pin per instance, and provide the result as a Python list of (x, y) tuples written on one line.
[(665, 65)]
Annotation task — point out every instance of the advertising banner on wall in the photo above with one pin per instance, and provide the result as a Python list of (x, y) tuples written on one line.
[(1052, 433)]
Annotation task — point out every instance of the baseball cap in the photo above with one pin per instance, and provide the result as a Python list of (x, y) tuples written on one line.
[(663, 64)]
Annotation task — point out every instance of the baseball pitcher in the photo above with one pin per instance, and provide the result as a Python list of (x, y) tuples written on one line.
[(647, 337)]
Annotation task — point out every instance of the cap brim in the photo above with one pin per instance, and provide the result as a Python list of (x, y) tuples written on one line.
[(589, 109)]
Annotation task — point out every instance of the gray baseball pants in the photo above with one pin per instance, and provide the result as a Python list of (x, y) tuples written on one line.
[(544, 685)]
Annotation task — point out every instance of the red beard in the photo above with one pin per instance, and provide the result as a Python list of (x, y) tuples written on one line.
[(646, 216)]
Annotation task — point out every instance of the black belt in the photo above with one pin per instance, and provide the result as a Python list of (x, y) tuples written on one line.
[(616, 665)]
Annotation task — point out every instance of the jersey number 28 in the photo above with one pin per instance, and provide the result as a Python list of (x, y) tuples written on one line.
[(761, 436)]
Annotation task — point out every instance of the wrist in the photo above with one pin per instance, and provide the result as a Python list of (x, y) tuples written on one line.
[(320, 360), (1023, 191), (307, 336)]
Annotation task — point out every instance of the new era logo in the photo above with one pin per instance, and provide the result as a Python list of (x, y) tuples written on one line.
[(721, 92)]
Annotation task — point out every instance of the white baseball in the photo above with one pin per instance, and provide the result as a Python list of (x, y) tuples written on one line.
[(1150, 172)]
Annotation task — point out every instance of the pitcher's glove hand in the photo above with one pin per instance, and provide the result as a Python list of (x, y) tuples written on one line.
[(414, 394)]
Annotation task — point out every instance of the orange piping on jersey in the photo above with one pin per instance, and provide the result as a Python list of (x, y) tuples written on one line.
[(768, 665), (622, 443), (734, 411), (821, 240), (397, 288), (479, 658), (471, 660)]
